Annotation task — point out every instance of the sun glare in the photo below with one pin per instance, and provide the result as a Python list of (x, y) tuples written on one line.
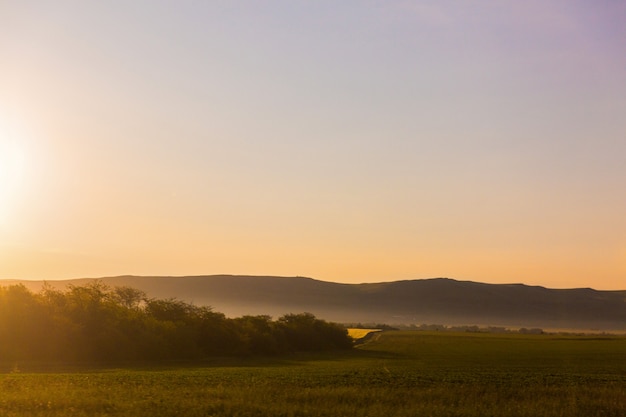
[(11, 169)]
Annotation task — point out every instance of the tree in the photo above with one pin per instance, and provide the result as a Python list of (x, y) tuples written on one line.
[(305, 332)]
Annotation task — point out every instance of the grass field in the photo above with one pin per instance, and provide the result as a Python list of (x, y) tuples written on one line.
[(395, 374)]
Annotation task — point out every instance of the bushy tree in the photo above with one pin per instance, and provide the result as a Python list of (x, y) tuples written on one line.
[(260, 335), (305, 332), (98, 323)]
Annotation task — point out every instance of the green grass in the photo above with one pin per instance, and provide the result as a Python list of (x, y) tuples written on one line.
[(395, 374)]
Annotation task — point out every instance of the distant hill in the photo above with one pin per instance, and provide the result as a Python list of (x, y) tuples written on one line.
[(438, 300)]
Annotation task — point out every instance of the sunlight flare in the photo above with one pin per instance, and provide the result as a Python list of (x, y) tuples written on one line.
[(12, 162)]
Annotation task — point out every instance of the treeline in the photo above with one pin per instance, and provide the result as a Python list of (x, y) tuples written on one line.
[(97, 323), (470, 329)]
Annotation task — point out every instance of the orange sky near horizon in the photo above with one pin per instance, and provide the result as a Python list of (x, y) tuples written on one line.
[(352, 142)]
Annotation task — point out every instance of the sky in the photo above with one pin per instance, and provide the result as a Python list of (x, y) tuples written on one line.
[(351, 141)]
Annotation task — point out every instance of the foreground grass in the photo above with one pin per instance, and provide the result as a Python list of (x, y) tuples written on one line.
[(397, 374)]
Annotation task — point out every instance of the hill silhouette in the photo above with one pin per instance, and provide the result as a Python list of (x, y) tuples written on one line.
[(437, 300)]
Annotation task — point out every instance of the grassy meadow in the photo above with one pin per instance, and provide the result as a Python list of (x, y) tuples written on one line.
[(396, 373)]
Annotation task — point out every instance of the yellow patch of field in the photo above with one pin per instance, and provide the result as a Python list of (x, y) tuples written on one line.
[(360, 333)]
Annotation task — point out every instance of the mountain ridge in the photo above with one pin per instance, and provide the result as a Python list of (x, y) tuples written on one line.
[(433, 300)]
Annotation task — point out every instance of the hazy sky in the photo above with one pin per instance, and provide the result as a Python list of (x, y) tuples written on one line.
[(349, 141)]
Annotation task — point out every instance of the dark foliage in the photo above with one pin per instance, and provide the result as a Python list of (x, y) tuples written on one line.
[(98, 323)]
